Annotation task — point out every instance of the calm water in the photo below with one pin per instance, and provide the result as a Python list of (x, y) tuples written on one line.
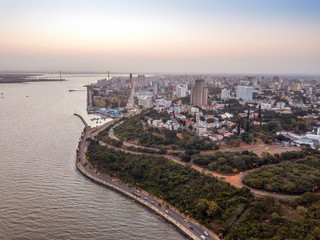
[(42, 196)]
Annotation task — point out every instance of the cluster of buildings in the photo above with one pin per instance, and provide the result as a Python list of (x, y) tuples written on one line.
[(311, 139), (279, 94), (189, 98), (186, 116)]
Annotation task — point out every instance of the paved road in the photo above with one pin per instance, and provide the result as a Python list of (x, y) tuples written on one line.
[(130, 104), (189, 224)]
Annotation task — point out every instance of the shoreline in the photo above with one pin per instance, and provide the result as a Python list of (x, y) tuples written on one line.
[(184, 231), (82, 169)]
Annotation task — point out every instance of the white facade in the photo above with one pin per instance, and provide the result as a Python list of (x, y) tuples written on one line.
[(163, 102), (141, 80), (266, 106), (172, 125), (244, 93), (155, 88), (225, 93), (194, 110), (201, 130), (145, 101), (281, 105), (180, 90)]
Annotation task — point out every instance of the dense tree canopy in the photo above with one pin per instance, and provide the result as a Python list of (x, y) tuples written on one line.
[(233, 162), (290, 178), (212, 202), (269, 218)]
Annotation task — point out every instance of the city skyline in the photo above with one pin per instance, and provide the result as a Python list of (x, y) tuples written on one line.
[(269, 37)]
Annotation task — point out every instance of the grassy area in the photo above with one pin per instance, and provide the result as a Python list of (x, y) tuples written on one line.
[(117, 99), (100, 102)]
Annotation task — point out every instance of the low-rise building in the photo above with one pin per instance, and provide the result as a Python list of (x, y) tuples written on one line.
[(145, 101)]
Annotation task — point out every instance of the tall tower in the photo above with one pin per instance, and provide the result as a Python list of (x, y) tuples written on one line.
[(199, 94)]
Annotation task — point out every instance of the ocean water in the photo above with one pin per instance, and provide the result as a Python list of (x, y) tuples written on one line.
[(42, 195)]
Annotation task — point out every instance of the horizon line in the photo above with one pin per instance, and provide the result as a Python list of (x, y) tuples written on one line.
[(158, 73)]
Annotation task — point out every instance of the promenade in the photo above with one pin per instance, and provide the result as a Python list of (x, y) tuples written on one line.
[(186, 226)]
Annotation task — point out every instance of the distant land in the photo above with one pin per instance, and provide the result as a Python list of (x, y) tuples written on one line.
[(23, 78)]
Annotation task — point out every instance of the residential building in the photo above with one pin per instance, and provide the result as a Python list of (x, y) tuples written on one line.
[(141, 80), (155, 88), (145, 101), (225, 93), (266, 106), (244, 92), (180, 90), (163, 102), (296, 87), (281, 105), (199, 94)]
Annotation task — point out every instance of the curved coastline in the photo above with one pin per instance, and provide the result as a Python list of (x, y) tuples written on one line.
[(79, 165), (181, 228)]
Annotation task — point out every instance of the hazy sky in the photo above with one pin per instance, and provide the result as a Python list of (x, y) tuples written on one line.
[(226, 36)]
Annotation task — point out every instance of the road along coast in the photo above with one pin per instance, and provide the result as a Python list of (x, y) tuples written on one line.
[(167, 217), (84, 167)]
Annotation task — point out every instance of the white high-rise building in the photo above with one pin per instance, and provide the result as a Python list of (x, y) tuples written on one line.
[(244, 92), (180, 90), (141, 80), (225, 93), (164, 103), (145, 101), (155, 88)]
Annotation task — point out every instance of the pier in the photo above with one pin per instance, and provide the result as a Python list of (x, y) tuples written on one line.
[(82, 119)]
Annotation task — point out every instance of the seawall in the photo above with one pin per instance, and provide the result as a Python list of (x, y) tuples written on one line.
[(181, 228)]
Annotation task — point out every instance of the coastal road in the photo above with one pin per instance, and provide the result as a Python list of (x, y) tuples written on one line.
[(154, 202)]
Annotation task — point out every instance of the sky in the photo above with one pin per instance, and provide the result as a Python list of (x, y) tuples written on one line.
[(177, 36)]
